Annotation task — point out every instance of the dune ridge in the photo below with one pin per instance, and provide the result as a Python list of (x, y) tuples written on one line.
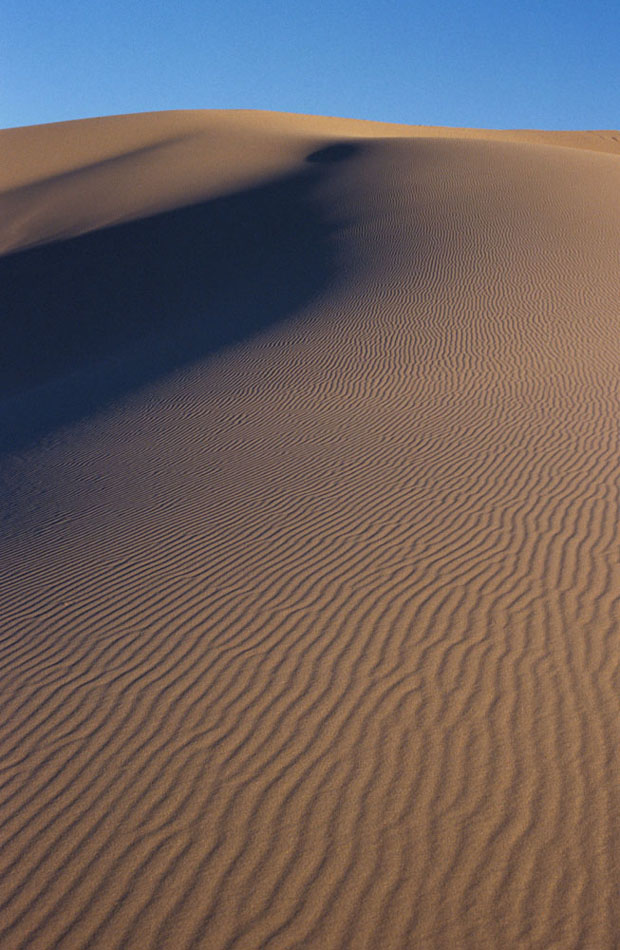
[(94, 173), (309, 637)]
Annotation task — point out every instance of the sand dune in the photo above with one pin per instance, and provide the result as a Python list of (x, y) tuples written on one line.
[(310, 558)]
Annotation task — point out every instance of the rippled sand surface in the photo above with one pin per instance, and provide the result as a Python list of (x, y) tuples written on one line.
[(310, 558)]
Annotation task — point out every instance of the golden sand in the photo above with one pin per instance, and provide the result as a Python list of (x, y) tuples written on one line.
[(310, 587)]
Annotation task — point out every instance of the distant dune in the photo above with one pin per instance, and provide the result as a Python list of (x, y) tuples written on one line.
[(310, 555)]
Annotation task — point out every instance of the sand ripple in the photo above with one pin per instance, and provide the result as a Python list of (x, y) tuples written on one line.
[(314, 643)]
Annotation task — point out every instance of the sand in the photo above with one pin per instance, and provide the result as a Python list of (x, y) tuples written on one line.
[(310, 560)]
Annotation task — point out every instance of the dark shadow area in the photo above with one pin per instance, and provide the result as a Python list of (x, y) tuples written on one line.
[(88, 319), (334, 153)]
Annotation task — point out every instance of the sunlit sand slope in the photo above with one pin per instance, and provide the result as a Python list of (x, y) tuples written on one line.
[(310, 557)]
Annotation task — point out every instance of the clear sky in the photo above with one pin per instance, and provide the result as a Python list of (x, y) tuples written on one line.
[(518, 64)]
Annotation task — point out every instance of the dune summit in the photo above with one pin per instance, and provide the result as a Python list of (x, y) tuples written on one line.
[(310, 554)]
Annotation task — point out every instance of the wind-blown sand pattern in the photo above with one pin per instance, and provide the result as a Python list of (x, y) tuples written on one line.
[(310, 552)]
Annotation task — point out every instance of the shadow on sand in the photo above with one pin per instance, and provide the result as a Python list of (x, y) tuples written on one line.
[(340, 152), (91, 318)]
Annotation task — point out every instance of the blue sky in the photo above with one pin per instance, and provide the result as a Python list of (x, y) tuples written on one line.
[(488, 64)]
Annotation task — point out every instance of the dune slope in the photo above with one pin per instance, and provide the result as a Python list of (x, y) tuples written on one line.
[(310, 555)]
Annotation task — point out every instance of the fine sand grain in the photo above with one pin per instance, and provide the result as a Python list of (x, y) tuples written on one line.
[(310, 557)]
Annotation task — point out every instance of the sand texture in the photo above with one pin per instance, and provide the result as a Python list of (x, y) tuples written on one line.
[(310, 551)]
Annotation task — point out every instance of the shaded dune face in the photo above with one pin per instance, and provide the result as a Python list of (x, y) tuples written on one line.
[(89, 319), (310, 622)]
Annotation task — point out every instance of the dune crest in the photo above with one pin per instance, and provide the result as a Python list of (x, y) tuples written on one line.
[(311, 568)]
